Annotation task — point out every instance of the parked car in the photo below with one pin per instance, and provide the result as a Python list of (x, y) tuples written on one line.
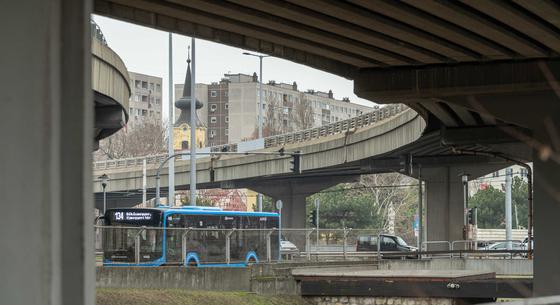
[(287, 248), (384, 241), (502, 246)]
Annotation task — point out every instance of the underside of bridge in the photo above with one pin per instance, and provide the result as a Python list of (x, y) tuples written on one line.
[(462, 65)]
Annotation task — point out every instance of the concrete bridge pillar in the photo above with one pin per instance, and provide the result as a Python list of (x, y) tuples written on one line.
[(546, 218), (444, 205), (293, 210), (444, 199), (46, 120), (293, 194)]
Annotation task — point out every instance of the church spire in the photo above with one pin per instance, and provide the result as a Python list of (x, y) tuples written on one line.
[(184, 103)]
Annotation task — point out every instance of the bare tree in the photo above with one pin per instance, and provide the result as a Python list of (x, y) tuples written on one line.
[(390, 192), (279, 116), (303, 113), (272, 122), (146, 138)]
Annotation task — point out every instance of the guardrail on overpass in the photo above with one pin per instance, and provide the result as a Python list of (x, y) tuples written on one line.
[(274, 141)]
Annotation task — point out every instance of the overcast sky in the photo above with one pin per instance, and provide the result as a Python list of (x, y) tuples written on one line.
[(145, 50)]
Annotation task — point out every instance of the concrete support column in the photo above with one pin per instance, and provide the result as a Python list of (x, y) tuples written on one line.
[(293, 211), (444, 205), (46, 129), (546, 216)]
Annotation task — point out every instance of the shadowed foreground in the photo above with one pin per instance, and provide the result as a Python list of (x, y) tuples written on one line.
[(184, 297)]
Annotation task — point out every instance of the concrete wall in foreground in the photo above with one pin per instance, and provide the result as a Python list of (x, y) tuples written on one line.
[(220, 279), (380, 301), (512, 267)]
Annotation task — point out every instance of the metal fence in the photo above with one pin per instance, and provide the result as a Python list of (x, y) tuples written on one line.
[(274, 141), (194, 246)]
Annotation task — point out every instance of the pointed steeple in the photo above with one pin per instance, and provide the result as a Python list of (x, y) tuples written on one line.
[(184, 103)]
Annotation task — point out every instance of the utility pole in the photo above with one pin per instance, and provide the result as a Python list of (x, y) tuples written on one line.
[(144, 181), (170, 149), (317, 205), (260, 118), (508, 207), (193, 126), (420, 210)]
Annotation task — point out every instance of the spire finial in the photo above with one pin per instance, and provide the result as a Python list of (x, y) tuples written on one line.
[(189, 55)]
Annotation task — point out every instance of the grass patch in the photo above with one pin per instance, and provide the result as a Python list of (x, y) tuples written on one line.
[(113, 296)]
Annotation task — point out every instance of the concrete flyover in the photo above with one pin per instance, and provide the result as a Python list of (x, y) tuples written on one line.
[(473, 69), (111, 87), (493, 63), (331, 154)]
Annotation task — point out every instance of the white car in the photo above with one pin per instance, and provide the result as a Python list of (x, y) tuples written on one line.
[(287, 248)]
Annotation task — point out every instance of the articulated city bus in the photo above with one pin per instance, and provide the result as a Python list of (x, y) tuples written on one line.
[(163, 235)]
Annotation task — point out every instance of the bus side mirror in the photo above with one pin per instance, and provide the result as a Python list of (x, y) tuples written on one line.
[(97, 219)]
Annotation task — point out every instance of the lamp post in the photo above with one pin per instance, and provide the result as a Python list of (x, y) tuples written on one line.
[(104, 179), (260, 119)]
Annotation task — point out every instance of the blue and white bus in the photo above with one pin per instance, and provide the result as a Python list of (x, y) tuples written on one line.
[(162, 232)]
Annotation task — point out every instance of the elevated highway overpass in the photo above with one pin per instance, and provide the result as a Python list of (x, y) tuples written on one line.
[(371, 143), (462, 65)]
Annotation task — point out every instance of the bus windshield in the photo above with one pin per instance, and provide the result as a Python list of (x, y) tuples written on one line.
[(119, 238)]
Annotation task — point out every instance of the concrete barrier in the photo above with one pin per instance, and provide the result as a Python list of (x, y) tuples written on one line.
[(220, 279), (502, 267)]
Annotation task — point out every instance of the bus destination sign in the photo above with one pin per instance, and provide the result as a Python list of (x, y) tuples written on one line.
[(135, 216), (132, 215)]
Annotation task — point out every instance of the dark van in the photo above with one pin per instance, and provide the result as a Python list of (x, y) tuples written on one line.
[(384, 241)]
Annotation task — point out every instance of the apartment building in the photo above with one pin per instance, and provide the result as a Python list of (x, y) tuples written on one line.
[(145, 101), (232, 108)]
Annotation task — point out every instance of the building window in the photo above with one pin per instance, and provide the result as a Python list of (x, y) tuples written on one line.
[(226, 106), (226, 132), (144, 98), (213, 93), (496, 174), (136, 98), (158, 88), (158, 100), (213, 119), (213, 107), (144, 112), (225, 93), (184, 144), (227, 119), (144, 85), (138, 84)]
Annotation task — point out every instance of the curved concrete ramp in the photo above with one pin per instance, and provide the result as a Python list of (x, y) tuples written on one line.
[(331, 152)]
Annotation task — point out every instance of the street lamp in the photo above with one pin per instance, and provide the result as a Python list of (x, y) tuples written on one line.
[(259, 128), (104, 179), (260, 90)]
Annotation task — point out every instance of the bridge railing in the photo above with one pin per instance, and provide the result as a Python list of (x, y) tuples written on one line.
[(145, 245), (354, 123)]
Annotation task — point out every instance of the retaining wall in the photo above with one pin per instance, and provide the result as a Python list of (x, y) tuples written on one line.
[(380, 301), (502, 267), (220, 279)]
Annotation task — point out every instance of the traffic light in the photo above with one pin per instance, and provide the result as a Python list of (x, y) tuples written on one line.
[(471, 216), (295, 162), (313, 218)]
